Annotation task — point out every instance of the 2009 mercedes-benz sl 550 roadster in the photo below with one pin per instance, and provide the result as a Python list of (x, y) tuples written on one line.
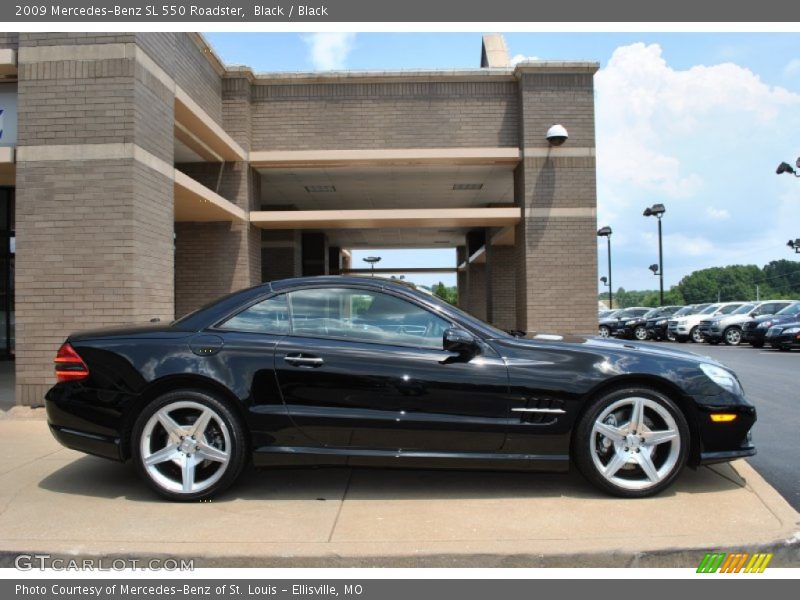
[(366, 371)]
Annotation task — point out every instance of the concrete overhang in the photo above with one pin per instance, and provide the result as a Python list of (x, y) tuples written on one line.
[(556, 66), (8, 63), (375, 219), (505, 237), (8, 168), (195, 202), (276, 159), (195, 128)]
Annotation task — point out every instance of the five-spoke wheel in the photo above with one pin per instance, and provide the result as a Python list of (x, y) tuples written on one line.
[(188, 445), (632, 442)]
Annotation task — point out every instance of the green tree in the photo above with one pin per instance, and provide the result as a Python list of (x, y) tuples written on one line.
[(448, 294)]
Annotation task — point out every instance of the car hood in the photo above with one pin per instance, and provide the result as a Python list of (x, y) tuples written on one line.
[(610, 345)]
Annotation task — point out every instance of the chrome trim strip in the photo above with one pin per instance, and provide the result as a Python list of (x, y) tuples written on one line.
[(547, 411)]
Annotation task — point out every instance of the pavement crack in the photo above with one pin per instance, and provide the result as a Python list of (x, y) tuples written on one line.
[(341, 505)]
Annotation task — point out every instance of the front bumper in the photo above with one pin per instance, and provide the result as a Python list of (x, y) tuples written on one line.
[(754, 335), (657, 331), (783, 340), (720, 442)]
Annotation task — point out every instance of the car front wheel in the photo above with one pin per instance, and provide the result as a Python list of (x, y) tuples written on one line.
[(188, 445), (695, 335), (632, 442), (733, 336), (640, 333), (604, 331)]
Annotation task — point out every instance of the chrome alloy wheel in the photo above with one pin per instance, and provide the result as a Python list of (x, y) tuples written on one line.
[(640, 333), (733, 336), (635, 443), (185, 447)]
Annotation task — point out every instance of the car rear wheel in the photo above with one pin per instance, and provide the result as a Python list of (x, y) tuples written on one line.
[(632, 442), (188, 445), (640, 333), (604, 331), (695, 335), (733, 336), (671, 337)]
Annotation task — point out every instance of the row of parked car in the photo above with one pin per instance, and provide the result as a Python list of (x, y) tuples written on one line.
[(771, 322)]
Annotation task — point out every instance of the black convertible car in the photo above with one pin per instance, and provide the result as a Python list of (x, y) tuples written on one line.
[(362, 371)]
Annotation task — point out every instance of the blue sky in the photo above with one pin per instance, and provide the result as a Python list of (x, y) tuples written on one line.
[(695, 121)]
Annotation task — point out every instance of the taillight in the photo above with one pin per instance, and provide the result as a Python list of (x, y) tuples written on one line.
[(69, 366)]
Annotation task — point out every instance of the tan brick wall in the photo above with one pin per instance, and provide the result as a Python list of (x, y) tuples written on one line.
[(503, 286), (94, 237), (476, 290), (556, 258), (384, 115)]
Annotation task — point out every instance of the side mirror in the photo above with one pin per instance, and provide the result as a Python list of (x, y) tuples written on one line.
[(461, 342)]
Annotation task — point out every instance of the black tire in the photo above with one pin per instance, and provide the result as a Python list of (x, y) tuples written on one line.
[(581, 446), (604, 331), (671, 337), (640, 334), (238, 450), (732, 336), (694, 335)]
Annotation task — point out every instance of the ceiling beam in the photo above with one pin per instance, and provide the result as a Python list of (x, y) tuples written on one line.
[(406, 218), (281, 159)]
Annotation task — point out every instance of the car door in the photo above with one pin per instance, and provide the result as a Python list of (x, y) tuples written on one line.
[(366, 369)]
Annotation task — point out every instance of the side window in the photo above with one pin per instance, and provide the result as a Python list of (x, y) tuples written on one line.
[(363, 315), (268, 316)]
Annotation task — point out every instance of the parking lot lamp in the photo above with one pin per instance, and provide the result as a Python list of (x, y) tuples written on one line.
[(657, 211), (787, 168), (795, 245), (606, 233), (372, 260)]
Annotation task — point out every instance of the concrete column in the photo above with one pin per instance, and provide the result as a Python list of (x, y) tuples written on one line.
[(556, 257), (476, 290), (461, 278), (280, 254), (315, 253), (94, 220), (502, 286), (213, 259)]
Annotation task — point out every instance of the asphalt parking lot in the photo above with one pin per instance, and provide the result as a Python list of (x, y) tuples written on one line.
[(770, 380)]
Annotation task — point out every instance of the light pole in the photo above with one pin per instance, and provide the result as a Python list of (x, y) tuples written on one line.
[(657, 211), (787, 168), (794, 245), (606, 233), (372, 260)]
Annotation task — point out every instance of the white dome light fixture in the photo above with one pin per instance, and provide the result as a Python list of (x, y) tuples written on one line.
[(557, 135)]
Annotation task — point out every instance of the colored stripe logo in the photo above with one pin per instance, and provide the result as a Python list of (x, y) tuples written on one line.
[(737, 562)]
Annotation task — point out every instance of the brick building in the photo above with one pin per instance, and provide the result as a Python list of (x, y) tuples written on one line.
[(140, 178)]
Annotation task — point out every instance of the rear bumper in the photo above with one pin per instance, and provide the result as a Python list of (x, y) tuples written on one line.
[(89, 443)]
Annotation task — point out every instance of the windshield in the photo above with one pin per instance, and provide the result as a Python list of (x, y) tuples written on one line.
[(744, 309), (686, 310), (653, 312), (726, 310), (792, 309), (711, 309)]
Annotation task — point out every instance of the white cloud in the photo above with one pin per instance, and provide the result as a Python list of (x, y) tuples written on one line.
[(646, 110), (792, 68), (518, 58), (329, 51), (718, 214)]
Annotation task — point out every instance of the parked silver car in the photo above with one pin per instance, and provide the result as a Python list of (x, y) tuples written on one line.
[(728, 328)]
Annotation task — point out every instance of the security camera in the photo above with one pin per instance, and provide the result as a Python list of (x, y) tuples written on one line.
[(557, 135)]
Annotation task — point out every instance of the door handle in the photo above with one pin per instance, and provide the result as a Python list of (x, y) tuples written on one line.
[(303, 361)]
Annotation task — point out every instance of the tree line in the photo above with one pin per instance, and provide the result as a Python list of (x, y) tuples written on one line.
[(777, 280)]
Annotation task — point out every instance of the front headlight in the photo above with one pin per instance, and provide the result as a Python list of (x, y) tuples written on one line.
[(722, 377), (661, 322), (631, 322), (764, 324), (792, 330)]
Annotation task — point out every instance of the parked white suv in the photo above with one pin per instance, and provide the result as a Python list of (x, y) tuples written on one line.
[(687, 327)]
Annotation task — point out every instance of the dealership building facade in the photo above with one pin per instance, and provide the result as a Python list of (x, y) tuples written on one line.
[(140, 178)]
